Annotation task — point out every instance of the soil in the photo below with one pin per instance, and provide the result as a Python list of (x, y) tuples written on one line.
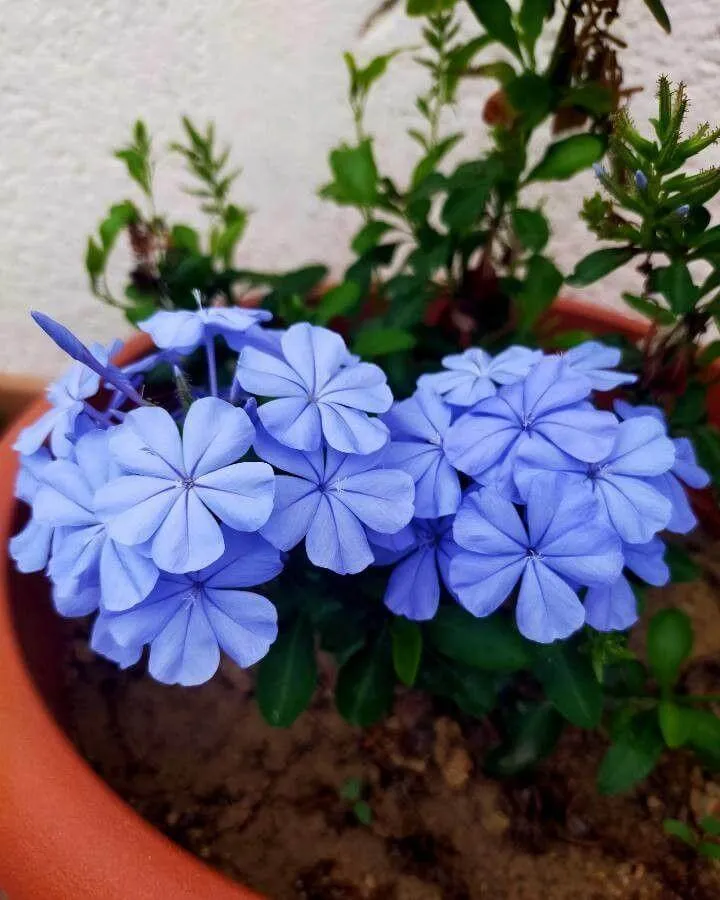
[(266, 806)]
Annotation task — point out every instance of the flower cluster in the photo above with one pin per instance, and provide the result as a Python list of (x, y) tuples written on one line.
[(498, 478)]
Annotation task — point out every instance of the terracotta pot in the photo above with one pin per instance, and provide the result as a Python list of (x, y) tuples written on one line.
[(17, 392), (64, 834)]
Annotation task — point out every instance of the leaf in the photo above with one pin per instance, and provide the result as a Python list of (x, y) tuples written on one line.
[(531, 18), (647, 307), (676, 828), (298, 281), (566, 158), (531, 95), (531, 229), (356, 174), (363, 812), (407, 644), (229, 237), (534, 731), (369, 236), (492, 644), (287, 675), (365, 685), (374, 342), (675, 283), (428, 7), (351, 789), (542, 282), (669, 644), (660, 14), (672, 724), (592, 96), (496, 18), (703, 735), (599, 264), (465, 204), (632, 756), (707, 444), (431, 160), (337, 301), (182, 237), (683, 568), (709, 850), (471, 690), (94, 259), (119, 217), (570, 684), (710, 825)]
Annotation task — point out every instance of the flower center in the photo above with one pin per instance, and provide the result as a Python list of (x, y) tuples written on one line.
[(526, 423), (337, 486), (195, 591), (186, 482), (533, 554)]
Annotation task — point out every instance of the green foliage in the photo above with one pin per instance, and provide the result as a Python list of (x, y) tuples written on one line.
[(365, 684), (566, 158), (633, 754), (570, 684), (288, 674), (492, 644), (532, 731), (407, 646), (137, 156), (669, 643), (702, 839)]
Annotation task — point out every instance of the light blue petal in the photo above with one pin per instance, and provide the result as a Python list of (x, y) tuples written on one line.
[(240, 495), (73, 599), (682, 519), (186, 651), (266, 375), (647, 561), (126, 576), (336, 540), (489, 524), (215, 435), (65, 498), (315, 353), (134, 506), (636, 509), (513, 364), (30, 548), (422, 417), (103, 643), (148, 443), (189, 538), (381, 499), (476, 442), (641, 448), (249, 560), (550, 386), (482, 583), (293, 421), (245, 624), (296, 502), (76, 551), (31, 439), (413, 588), (350, 431), (180, 330), (361, 386), (586, 434), (458, 388), (547, 608), (307, 465), (92, 453), (686, 467), (612, 607)]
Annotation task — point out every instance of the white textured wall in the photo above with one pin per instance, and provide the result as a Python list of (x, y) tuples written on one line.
[(73, 76)]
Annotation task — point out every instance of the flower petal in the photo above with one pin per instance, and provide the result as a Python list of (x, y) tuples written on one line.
[(249, 560), (636, 509), (682, 519), (148, 443), (413, 589), (315, 353), (551, 385), (479, 440), (126, 576), (65, 498), (437, 486), (586, 434), (293, 421), (482, 583), (30, 548), (547, 608), (382, 499), (215, 434), (245, 624), (647, 561), (422, 417), (188, 538), (296, 502), (360, 386), (134, 506), (686, 467), (351, 431), (641, 448), (304, 464), (266, 375), (186, 651), (103, 643), (489, 524), (336, 540), (180, 330), (240, 495), (612, 607)]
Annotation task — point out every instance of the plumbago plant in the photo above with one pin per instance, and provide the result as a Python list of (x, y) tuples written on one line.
[(485, 539)]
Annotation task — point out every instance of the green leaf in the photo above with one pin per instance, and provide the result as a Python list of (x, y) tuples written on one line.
[(660, 13), (228, 238), (703, 735), (374, 342), (683, 568), (707, 444), (337, 301), (468, 193), (676, 828), (633, 755), (709, 850), (428, 7), (407, 645), (356, 174), (365, 685), (570, 684), (351, 789), (363, 812), (471, 690), (669, 644), (592, 96), (543, 280), (566, 158), (119, 217), (672, 724), (647, 307), (531, 229), (531, 95), (369, 236), (531, 18), (675, 283), (492, 644), (287, 675), (710, 825), (599, 264), (432, 159), (94, 259), (496, 18), (182, 237), (534, 732)]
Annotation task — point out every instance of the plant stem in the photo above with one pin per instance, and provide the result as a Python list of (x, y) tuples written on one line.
[(211, 364)]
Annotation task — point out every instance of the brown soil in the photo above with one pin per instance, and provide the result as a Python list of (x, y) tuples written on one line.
[(265, 806)]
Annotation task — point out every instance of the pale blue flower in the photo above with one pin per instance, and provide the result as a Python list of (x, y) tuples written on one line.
[(319, 395), (331, 499), (597, 362), (563, 545), (185, 330), (188, 619), (417, 430), (176, 489), (30, 547)]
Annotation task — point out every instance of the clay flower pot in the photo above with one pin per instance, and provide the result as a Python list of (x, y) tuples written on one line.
[(64, 834)]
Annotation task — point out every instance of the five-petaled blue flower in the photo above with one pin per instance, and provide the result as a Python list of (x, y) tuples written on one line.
[(597, 362), (185, 330), (331, 499), (175, 489), (417, 431), (546, 408), (474, 375), (320, 392), (188, 619), (30, 548), (563, 545)]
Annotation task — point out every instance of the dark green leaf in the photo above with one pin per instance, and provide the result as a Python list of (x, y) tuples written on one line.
[(431, 160), (566, 158), (94, 259), (599, 264), (531, 18), (709, 850), (649, 308), (228, 238), (683, 568), (672, 724), (710, 825), (660, 13), (669, 644), (407, 644), (543, 280), (592, 96), (369, 236), (299, 281), (374, 342), (337, 301), (703, 735), (496, 18), (678, 829), (356, 175), (471, 690), (632, 756), (675, 283), (491, 643), (365, 685), (428, 7), (363, 812), (182, 237), (534, 731), (351, 789), (467, 198), (570, 684), (707, 444), (118, 218), (531, 229), (531, 95), (287, 675)]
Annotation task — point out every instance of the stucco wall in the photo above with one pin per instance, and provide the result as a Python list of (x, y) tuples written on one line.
[(74, 75)]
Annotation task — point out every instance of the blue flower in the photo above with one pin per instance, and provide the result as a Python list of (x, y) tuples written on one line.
[(320, 395), (613, 607), (188, 619), (417, 428), (473, 375), (84, 556), (641, 182), (597, 362), (546, 409), (185, 330), (413, 589), (331, 499), (30, 548), (622, 481), (564, 544), (176, 489)]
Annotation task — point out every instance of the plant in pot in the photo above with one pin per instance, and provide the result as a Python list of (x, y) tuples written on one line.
[(471, 528)]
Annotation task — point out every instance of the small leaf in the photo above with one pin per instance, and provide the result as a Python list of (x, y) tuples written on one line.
[(407, 645), (363, 812), (672, 724), (566, 158), (633, 755), (531, 17), (428, 7), (707, 444), (683, 568), (119, 217), (710, 825), (287, 675), (337, 301), (496, 18), (182, 237), (531, 95), (351, 789), (374, 342), (678, 829), (709, 850), (675, 283), (432, 159), (660, 14), (365, 685), (369, 236), (570, 684), (543, 280), (492, 644), (599, 264), (703, 735), (356, 175), (534, 732), (94, 259), (531, 229), (649, 308), (669, 644)]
